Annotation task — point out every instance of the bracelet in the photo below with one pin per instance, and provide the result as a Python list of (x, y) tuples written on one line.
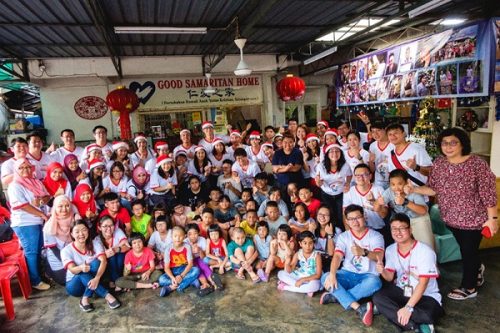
[(329, 236)]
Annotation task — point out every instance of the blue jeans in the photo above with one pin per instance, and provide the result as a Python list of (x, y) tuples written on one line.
[(115, 266), (190, 277), (353, 286), (77, 286), (31, 238)]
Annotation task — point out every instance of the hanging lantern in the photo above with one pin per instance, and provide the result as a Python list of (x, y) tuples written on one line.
[(123, 101), (444, 103), (290, 88)]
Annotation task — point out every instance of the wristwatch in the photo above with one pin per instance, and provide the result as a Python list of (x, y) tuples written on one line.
[(329, 236), (409, 308), (365, 252), (406, 202), (417, 168)]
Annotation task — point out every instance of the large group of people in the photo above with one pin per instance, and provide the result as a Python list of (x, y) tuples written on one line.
[(331, 210)]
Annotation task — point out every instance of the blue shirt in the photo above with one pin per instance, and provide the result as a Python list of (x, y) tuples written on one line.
[(295, 157)]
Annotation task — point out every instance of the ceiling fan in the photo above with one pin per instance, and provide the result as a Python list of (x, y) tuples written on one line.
[(242, 69)]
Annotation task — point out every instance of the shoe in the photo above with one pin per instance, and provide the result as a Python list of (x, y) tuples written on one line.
[(281, 286), (425, 328), (164, 291), (365, 312), (262, 275), (461, 294), (196, 284), (204, 292), (217, 281), (480, 275), (114, 305), (86, 308), (327, 298), (42, 286), (376, 312)]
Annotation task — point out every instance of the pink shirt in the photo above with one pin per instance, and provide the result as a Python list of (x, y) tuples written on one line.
[(140, 264)]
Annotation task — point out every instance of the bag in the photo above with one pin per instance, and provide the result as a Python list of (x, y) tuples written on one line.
[(6, 232), (398, 165)]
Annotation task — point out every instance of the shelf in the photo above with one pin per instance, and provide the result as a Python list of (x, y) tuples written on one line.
[(482, 153)]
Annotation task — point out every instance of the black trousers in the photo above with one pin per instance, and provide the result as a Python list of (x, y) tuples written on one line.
[(391, 298), (469, 241), (334, 202)]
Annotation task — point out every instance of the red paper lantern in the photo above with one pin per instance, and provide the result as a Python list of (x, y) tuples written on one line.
[(124, 101), (444, 103), (291, 88)]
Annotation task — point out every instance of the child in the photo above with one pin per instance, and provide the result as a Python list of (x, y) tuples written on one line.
[(198, 244), (250, 205), (180, 216), (207, 219), (246, 195), (140, 221), (262, 241), (216, 250), (214, 196), (273, 217), (139, 272), (242, 254), (260, 189), (312, 204), (280, 249), (249, 225), (161, 237), (159, 210), (301, 221), (226, 216), (412, 205), (179, 270), (303, 271)]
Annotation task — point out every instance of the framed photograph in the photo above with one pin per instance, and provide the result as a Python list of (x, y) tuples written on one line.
[(156, 130)]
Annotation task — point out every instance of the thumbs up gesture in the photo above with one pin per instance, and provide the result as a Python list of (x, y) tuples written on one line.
[(370, 197), (411, 163), (380, 265), (59, 191), (399, 198)]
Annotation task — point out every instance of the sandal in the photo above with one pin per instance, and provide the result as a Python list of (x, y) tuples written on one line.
[(217, 281), (256, 279), (240, 277), (461, 294), (155, 285), (480, 275)]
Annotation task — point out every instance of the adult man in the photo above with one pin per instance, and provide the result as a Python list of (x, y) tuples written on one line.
[(246, 168), (209, 136), (287, 163), (408, 156), (120, 215), (422, 89), (321, 128), (101, 139), (36, 156), (69, 147), (380, 154), (361, 248), (413, 301), (392, 67), (186, 144), (293, 124), (235, 138)]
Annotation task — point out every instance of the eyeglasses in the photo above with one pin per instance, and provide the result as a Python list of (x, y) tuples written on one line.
[(117, 171), (366, 175), (400, 229), (107, 226), (24, 168), (453, 143), (323, 215), (355, 218)]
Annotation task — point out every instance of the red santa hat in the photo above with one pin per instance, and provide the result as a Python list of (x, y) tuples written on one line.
[(181, 152), (236, 132), (311, 137), (254, 135), (162, 160), (161, 145), (120, 144), (216, 141), (278, 135), (140, 137), (207, 124), (329, 147), (92, 147), (322, 123), (331, 131), (268, 144), (95, 163), (185, 131), (198, 148)]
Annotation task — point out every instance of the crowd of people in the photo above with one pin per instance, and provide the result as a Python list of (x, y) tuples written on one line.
[(331, 210)]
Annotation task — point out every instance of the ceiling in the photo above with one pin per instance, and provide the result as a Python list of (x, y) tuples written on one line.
[(37, 29)]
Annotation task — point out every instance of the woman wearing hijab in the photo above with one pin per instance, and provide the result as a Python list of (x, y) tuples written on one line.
[(54, 181), (86, 206), (72, 170), (27, 198), (138, 185), (56, 235)]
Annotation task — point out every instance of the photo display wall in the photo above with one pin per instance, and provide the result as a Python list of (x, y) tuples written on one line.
[(453, 63)]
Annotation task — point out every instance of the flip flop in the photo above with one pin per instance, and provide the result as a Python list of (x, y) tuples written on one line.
[(218, 282), (256, 280), (461, 294), (155, 285)]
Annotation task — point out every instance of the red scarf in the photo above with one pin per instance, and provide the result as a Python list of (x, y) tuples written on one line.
[(51, 185), (84, 207)]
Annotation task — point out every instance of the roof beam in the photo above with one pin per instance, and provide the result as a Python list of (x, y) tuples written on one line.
[(181, 44)]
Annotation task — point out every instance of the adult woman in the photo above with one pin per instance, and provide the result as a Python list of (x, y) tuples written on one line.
[(55, 183), (85, 263), (334, 177), (163, 182), (86, 206), (115, 244), (138, 185), (116, 182), (56, 235), (300, 136), (200, 166), (120, 154), (217, 156), (143, 153), (465, 190), (72, 170), (95, 177), (311, 161), (27, 196)]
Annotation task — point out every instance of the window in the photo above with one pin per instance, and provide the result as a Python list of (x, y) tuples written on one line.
[(311, 115)]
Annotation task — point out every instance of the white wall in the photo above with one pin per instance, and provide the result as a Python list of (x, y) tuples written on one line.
[(495, 149)]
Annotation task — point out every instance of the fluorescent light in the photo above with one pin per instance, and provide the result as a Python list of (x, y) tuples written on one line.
[(426, 7), (452, 21), (320, 55), (159, 30)]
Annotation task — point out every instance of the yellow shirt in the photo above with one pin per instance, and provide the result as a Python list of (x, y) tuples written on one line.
[(249, 231)]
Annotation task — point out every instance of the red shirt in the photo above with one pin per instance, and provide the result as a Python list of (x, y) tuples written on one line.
[(140, 264), (313, 207), (178, 258), (120, 219), (217, 249)]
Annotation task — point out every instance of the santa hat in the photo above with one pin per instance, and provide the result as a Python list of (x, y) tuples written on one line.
[(330, 131), (236, 132), (326, 149), (254, 135), (323, 123), (93, 147), (161, 145), (119, 144), (207, 124), (311, 137), (216, 141), (279, 135), (185, 131), (198, 148), (267, 144), (181, 152), (95, 163), (140, 137), (162, 160)]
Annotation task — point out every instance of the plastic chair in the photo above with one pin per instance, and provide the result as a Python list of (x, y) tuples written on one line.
[(7, 272), (14, 255)]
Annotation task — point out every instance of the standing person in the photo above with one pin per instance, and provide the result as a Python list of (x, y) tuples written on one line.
[(293, 124), (380, 154), (209, 136), (36, 156), (27, 196), (287, 163), (20, 149), (72, 171), (120, 154), (161, 148), (321, 128), (413, 301), (186, 144), (101, 139), (465, 189), (143, 153), (68, 139)]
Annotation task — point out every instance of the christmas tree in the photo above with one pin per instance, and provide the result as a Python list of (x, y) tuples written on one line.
[(428, 126)]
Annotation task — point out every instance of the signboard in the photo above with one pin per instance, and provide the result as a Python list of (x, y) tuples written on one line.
[(189, 92), (453, 63)]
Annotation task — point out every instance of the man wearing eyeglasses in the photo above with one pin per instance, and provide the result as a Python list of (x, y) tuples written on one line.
[(361, 248), (413, 302)]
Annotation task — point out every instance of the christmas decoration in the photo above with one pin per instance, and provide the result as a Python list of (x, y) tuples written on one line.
[(469, 121), (290, 88), (428, 126), (124, 101), (91, 107)]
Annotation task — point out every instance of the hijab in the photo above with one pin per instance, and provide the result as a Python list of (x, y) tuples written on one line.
[(135, 179), (51, 185), (60, 225), (71, 175), (30, 183), (81, 206)]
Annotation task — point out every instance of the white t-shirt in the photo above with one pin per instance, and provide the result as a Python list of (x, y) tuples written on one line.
[(419, 262), (8, 167), (353, 161), (192, 170), (60, 153), (354, 196), (135, 160), (118, 237), (208, 144), (371, 240), (19, 197), (51, 241), (218, 163), (150, 166), (133, 191), (230, 150), (221, 183), (40, 164), (422, 158), (189, 151), (260, 156), (382, 158), (157, 244), (202, 245), (159, 181), (70, 254), (121, 187), (333, 182), (246, 175)]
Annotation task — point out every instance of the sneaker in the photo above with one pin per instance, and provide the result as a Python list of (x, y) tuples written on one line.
[(365, 312), (262, 275), (87, 307), (114, 305), (164, 291), (205, 291), (42, 286), (425, 328), (327, 298), (217, 281), (376, 312)]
